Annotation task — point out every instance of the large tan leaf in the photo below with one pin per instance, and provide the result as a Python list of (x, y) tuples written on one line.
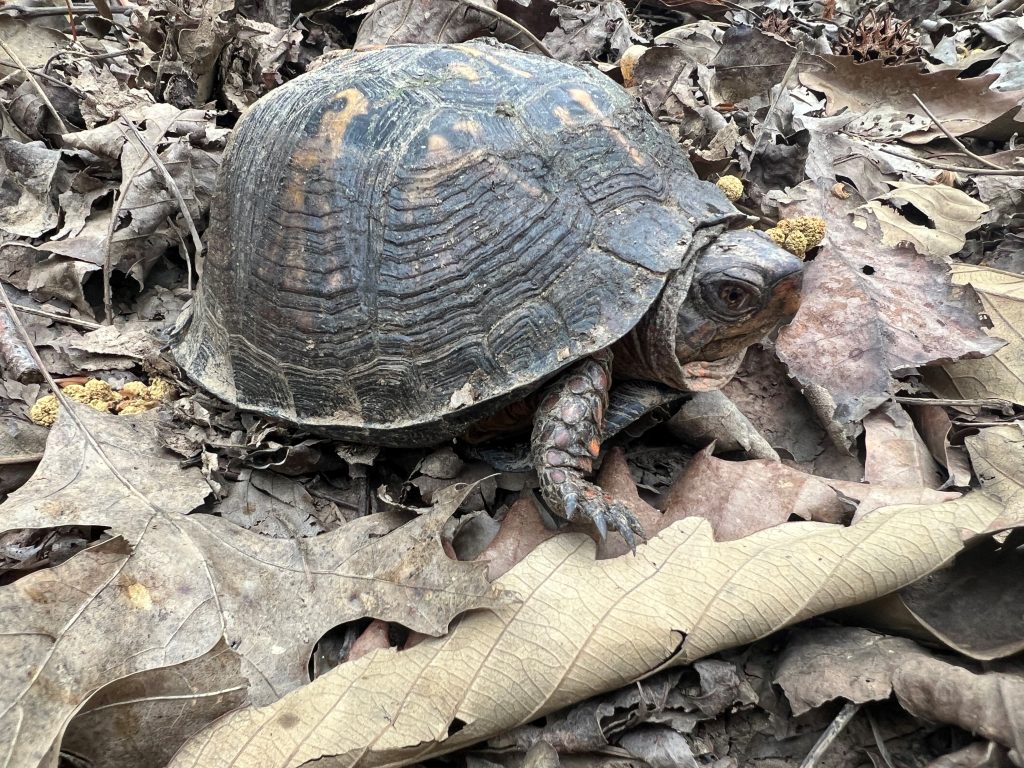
[(169, 586), (869, 310), (1002, 374), (586, 626)]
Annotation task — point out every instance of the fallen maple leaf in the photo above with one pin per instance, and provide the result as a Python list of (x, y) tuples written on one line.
[(168, 586)]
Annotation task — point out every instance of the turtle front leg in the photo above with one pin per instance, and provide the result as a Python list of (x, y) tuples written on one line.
[(565, 442)]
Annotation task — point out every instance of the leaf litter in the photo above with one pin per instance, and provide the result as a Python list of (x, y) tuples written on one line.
[(232, 555)]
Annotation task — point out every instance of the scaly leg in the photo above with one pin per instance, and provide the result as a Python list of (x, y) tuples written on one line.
[(565, 442)]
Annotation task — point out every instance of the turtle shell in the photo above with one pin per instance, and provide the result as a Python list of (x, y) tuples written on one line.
[(407, 238)]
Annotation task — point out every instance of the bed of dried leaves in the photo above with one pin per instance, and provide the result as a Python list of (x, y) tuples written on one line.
[(837, 575)]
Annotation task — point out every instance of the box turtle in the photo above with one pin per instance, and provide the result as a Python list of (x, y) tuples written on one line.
[(409, 239)]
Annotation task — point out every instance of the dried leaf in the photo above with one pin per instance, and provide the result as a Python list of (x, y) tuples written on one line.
[(168, 586), (869, 310), (681, 597), (962, 105), (827, 663), (896, 454), (951, 215), (171, 704), (1002, 374), (28, 174), (741, 497)]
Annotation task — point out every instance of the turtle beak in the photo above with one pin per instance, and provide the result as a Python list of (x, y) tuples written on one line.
[(787, 291)]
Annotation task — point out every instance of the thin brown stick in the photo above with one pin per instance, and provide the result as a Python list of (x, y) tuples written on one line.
[(197, 242), (953, 138), (955, 168), (35, 84), (71, 21), (981, 402), (774, 105), (23, 12), (20, 458), (87, 324), (834, 729)]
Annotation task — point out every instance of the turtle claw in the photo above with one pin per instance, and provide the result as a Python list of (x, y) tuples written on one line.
[(567, 494)]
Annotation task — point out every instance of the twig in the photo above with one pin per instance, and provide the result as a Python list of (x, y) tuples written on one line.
[(956, 168), (879, 741), (834, 729), (35, 84), (15, 359), (48, 78), (981, 402), (485, 11), (87, 324), (71, 21), (172, 185), (774, 106), (21, 11), (953, 138), (20, 458)]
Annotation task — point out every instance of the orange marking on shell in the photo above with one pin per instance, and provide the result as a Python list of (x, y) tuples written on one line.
[(330, 137), (472, 127), (463, 70), (594, 447), (585, 100), (437, 143), (563, 115)]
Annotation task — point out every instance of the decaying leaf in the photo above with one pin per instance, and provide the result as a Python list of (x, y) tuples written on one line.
[(827, 663), (861, 666), (167, 585), (585, 626), (741, 497), (871, 310)]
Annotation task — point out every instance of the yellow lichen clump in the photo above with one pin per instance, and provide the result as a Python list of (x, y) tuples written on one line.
[(44, 412), (731, 186), (798, 235), (133, 397)]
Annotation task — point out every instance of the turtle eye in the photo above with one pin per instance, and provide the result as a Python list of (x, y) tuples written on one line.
[(732, 297)]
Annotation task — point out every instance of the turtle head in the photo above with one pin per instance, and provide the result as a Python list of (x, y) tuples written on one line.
[(744, 286), (738, 289)]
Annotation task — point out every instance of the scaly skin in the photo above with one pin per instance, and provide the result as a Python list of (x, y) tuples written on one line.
[(566, 440)]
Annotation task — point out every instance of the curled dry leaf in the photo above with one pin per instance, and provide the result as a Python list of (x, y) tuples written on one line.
[(826, 663), (167, 585), (896, 454), (586, 626), (1002, 374), (988, 704), (870, 310), (951, 215), (975, 606)]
